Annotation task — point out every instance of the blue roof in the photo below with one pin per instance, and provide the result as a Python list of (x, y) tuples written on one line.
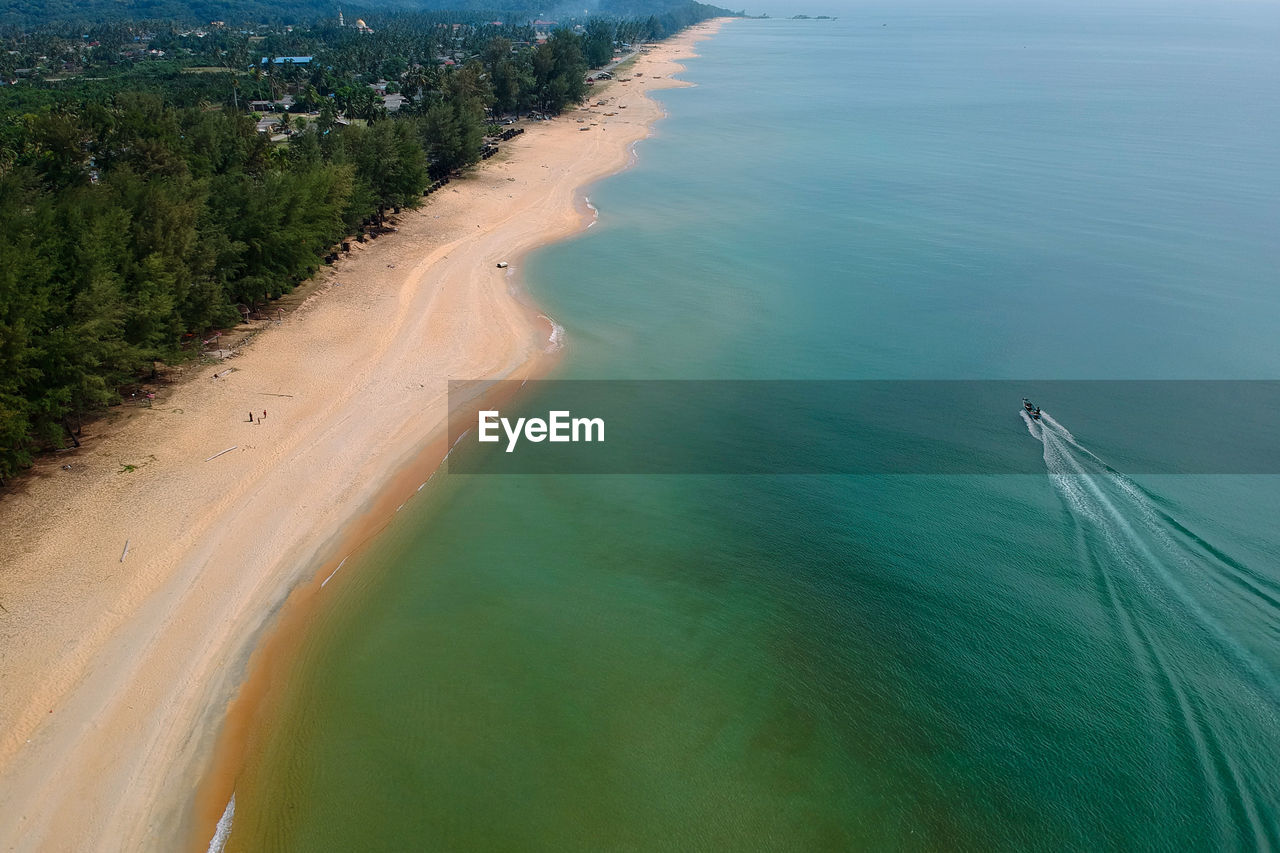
[(280, 60)]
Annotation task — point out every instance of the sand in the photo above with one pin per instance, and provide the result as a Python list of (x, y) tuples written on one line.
[(116, 673)]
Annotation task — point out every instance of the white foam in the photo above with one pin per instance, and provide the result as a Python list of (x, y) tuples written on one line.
[(1137, 539), (556, 339), (451, 447), (1032, 427), (1063, 431), (223, 831), (332, 573)]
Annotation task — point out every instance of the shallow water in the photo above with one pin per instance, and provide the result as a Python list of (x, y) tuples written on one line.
[(1074, 659)]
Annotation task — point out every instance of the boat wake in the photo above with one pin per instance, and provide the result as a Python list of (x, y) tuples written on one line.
[(1167, 590)]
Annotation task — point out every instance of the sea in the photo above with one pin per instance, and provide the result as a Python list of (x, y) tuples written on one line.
[(1083, 657)]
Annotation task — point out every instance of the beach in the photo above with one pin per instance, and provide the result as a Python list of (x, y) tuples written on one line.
[(1082, 657), (143, 569)]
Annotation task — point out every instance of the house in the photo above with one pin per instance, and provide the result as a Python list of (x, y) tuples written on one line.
[(282, 105), (394, 102), (281, 60)]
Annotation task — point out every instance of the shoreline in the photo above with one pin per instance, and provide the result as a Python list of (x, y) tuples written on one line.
[(119, 672), (274, 655)]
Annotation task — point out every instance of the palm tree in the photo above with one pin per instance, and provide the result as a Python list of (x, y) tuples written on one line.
[(415, 81), (257, 79), (271, 77), (327, 115)]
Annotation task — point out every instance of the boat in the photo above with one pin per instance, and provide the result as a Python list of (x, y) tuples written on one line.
[(1031, 409)]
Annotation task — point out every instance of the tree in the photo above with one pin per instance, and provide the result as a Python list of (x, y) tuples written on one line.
[(597, 45), (559, 71), (139, 207)]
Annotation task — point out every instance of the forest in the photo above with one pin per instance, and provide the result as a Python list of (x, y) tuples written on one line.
[(28, 14), (140, 206)]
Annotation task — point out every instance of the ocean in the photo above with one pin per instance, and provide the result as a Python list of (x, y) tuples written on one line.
[(1080, 658)]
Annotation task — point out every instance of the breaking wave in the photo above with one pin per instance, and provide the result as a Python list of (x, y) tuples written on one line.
[(223, 830), (556, 339)]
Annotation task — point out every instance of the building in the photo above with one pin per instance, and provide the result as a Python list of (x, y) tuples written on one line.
[(283, 105)]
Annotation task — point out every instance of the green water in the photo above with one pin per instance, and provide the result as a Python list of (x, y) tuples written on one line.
[(1074, 660)]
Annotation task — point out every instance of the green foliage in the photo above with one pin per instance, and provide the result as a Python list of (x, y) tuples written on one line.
[(126, 226), (31, 12), (559, 69), (139, 208), (597, 42)]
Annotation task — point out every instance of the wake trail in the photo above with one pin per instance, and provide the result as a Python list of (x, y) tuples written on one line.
[(1165, 586), (1145, 539)]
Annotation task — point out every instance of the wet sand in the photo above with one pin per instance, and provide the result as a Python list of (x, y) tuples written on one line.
[(118, 668)]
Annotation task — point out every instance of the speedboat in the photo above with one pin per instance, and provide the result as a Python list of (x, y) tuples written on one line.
[(1031, 408)]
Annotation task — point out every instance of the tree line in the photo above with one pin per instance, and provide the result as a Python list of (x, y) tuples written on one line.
[(29, 14), (133, 222)]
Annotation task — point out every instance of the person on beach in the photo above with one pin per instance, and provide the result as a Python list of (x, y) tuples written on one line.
[(251, 417)]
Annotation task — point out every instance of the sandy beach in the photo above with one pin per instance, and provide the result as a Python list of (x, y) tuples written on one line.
[(118, 662)]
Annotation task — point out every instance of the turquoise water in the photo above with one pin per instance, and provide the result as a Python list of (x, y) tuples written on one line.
[(1078, 659)]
